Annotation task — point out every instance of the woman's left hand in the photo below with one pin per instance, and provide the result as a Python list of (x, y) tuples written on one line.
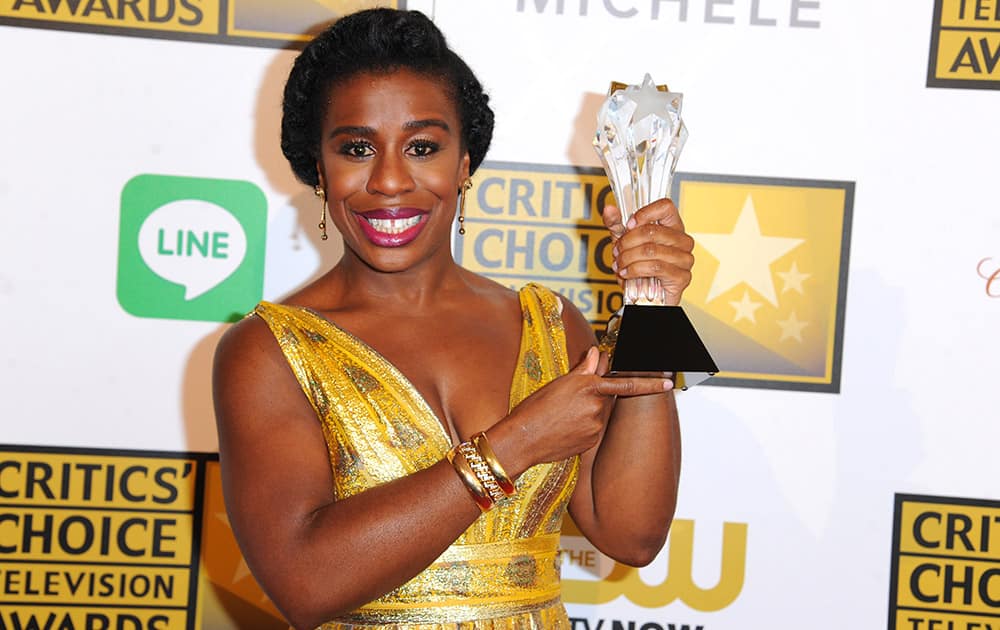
[(652, 245)]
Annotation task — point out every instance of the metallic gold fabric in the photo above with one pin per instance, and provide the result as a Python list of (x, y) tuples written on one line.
[(502, 573)]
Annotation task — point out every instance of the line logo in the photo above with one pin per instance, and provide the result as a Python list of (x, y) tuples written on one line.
[(965, 45), (191, 248)]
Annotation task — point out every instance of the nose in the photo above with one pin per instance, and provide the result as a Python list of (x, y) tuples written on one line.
[(390, 176)]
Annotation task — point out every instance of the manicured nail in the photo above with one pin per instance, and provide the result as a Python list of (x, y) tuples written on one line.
[(614, 251), (631, 223), (623, 272), (614, 266), (668, 385)]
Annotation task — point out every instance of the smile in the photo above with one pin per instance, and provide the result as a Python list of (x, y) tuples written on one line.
[(392, 227)]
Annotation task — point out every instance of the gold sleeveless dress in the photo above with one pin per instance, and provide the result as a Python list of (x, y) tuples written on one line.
[(503, 572)]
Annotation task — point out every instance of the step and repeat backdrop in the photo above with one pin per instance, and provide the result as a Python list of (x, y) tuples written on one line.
[(840, 181)]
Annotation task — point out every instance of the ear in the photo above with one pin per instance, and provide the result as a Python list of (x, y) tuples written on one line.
[(463, 167), (319, 174)]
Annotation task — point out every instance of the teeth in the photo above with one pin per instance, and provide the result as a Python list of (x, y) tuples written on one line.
[(394, 226)]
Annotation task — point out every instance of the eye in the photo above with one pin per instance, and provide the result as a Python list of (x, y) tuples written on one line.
[(357, 149), (423, 148)]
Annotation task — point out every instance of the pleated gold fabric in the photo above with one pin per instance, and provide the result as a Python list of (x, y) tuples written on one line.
[(503, 571)]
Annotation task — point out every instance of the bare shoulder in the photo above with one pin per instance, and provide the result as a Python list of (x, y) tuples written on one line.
[(251, 380), (265, 422), (489, 287), (244, 350), (497, 299)]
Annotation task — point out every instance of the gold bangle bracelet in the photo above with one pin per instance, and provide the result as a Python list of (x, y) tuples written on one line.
[(482, 444), (481, 470), (470, 481)]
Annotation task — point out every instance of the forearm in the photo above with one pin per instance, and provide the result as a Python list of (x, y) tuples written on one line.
[(348, 553), (634, 478)]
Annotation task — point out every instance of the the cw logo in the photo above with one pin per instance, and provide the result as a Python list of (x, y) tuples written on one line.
[(678, 584)]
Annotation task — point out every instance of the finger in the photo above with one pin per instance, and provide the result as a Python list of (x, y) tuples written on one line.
[(671, 287), (603, 364), (612, 217), (655, 233), (654, 254), (662, 211), (674, 278), (633, 386), (588, 365)]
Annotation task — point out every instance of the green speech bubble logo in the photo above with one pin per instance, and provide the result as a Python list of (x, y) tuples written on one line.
[(191, 248)]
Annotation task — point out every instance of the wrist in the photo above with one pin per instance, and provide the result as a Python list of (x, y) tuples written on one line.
[(509, 444)]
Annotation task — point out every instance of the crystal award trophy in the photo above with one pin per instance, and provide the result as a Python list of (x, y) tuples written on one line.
[(639, 137)]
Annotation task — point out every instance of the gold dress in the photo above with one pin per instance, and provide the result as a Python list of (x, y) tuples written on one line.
[(503, 572)]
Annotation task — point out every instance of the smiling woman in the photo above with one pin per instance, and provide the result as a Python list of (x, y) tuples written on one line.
[(391, 136), (401, 439)]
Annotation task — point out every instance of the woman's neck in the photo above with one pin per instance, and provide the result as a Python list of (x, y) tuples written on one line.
[(421, 287)]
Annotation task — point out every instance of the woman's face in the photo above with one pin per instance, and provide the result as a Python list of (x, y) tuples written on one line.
[(391, 162)]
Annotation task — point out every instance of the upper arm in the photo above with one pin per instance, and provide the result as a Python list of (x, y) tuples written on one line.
[(579, 333), (601, 496), (580, 337), (274, 461)]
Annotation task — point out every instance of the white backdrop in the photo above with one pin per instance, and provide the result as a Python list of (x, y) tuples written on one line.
[(812, 476)]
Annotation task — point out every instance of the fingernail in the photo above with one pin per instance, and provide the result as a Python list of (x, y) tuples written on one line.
[(631, 223), (614, 266), (614, 251), (623, 272), (668, 385)]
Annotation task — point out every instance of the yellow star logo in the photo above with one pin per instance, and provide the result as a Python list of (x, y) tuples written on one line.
[(745, 255)]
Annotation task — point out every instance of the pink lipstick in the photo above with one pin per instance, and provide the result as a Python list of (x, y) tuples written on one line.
[(392, 227)]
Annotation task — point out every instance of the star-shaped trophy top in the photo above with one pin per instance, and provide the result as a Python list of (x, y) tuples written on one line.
[(649, 99), (639, 137)]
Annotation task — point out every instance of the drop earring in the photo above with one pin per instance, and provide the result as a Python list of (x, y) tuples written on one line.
[(322, 221), (466, 185)]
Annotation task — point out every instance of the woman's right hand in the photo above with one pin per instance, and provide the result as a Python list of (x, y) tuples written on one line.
[(567, 416)]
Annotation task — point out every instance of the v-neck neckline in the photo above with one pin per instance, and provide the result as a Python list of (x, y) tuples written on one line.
[(443, 428)]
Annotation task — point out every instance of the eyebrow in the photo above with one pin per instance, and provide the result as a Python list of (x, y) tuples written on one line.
[(352, 130), (427, 122), (364, 131)]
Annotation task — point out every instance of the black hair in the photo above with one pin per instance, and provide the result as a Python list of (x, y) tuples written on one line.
[(376, 40)]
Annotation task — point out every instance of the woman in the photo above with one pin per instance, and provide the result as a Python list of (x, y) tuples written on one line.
[(429, 493)]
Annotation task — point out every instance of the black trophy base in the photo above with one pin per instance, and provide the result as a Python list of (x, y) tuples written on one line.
[(660, 340)]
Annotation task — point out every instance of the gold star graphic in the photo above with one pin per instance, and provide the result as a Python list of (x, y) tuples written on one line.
[(745, 308), (793, 279), (791, 328), (745, 255)]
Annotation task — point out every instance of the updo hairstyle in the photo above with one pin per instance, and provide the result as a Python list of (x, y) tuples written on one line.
[(376, 41)]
